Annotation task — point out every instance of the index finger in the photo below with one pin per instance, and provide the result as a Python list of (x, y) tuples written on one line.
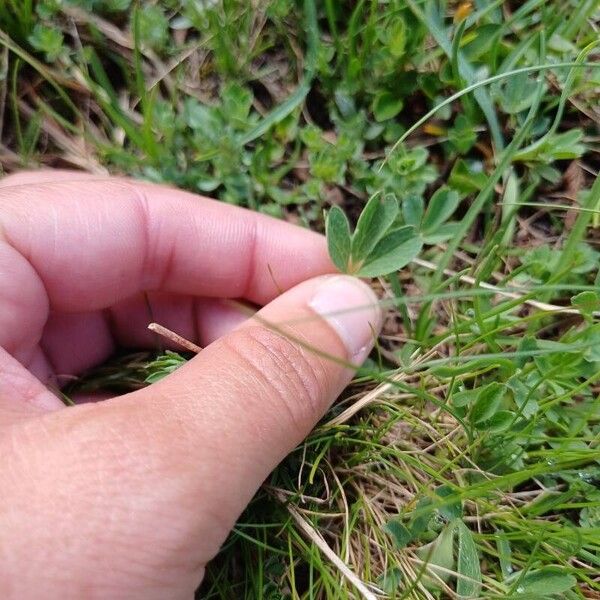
[(95, 241)]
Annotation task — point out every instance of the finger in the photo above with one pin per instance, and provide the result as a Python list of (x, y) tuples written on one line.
[(92, 243), (191, 449), (200, 320), (75, 342), (21, 394), (47, 176), (232, 413)]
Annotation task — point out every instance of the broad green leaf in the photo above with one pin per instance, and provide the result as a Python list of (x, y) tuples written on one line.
[(442, 233), (375, 219), (469, 585), (337, 229), (487, 403), (439, 555), (413, 208), (467, 178), (501, 421), (453, 508), (465, 398), (390, 580), (518, 93), (544, 582), (401, 535), (421, 517), (525, 401), (484, 37), (587, 302), (392, 253), (463, 134), (386, 106), (396, 40), (552, 147), (440, 207), (48, 40)]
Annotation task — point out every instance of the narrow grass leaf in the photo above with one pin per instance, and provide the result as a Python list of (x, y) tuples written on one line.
[(433, 20), (469, 585)]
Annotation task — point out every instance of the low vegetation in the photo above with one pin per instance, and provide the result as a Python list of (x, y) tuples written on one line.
[(451, 150)]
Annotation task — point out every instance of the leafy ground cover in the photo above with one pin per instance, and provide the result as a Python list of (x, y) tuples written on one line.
[(464, 461)]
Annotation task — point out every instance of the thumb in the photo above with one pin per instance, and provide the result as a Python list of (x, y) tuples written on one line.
[(232, 413), (250, 397), (158, 477)]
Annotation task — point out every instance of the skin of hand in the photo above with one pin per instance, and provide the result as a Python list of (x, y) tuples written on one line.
[(132, 496)]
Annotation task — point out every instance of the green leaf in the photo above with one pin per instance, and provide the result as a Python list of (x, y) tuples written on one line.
[(443, 233), (236, 102), (440, 207), (453, 508), (587, 302), (421, 517), (399, 533), (504, 553), (392, 253), (487, 403), (386, 106), (375, 219), (469, 585), (501, 421), (413, 208), (554, 146), (337, 229), (154, 26), (544, 582), (164, 365), (439, 555), (390, 580), (467, 178), (463, 135), (518, 94), (396, 41), (48, 40)]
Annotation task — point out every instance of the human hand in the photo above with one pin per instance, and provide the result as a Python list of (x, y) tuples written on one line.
[(131, 497)]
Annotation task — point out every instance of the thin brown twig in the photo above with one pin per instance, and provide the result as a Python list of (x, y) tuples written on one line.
[(174, 337)]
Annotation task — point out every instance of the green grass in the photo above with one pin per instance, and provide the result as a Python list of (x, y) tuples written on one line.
[(470, 440)]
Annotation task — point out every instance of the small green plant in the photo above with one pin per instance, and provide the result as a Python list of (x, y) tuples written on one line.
[(380, 244), (164, 365), (377, 246)]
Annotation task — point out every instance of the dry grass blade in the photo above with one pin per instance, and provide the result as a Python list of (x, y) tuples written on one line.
[(314, 536)]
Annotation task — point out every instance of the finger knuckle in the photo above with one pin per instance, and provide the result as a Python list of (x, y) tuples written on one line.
[(291, 377)]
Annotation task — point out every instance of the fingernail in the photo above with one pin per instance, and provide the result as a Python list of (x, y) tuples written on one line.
[(351, 308)]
